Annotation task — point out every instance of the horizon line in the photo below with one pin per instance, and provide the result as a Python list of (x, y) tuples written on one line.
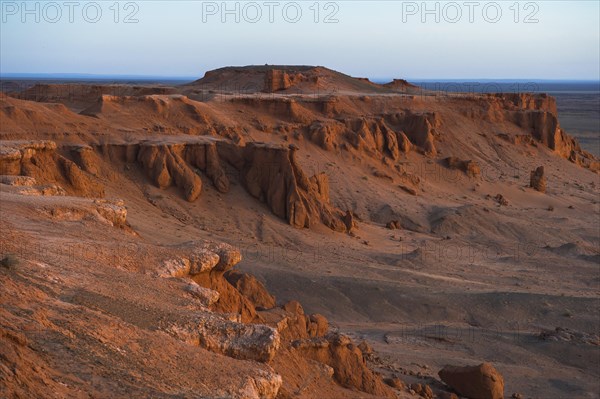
[(97, 76)]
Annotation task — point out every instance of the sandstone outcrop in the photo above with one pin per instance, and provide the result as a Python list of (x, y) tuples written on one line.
[(206, 264), (201, 258), (206, 296), (474, 382), (25, 185), (293, 324), (241, 341), (537, 115), (230, 299), (395, 382), (317, 325), (20, 181), (264, 385), (349, 222), (110, 212), (391, 135), (41, 160), (271, 174), (347, 361), (228, 337), (537, 179), (251, 288), (422, 390), (277, 80), (393, 225), (246, 301), (420, 128), (309, 337), (169, 165), (114, 211), (470, 168)]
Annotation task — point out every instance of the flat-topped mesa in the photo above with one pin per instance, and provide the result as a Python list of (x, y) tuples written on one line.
[(287, 79), (400, 84)]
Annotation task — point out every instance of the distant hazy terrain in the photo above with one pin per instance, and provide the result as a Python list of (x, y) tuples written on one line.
[(579, 114)]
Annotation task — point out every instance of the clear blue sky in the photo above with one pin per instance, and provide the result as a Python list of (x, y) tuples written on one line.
[(373, 39)]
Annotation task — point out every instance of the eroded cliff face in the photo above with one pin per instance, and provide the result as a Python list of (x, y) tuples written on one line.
[(41, 161), (538, 116), (545, 128), (388, 135), (270, 173), (387, 126), (277, 80)]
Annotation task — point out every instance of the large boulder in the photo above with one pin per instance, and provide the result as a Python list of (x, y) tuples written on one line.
[(229, 256), (265, 384), (202, 258), (474, 382), (318, 325), (241, 341), (113, 211), (216, 333), (206, 296)]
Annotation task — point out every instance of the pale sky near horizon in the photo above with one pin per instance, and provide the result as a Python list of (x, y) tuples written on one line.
[(378, 39)]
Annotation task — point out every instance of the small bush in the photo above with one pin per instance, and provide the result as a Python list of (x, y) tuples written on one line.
[(9, 261)]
